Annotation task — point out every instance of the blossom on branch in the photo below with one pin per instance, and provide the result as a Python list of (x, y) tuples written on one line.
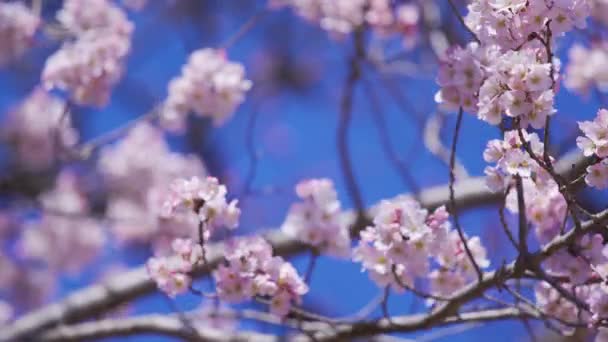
[(252, 271), (137, 183), (172, 273), (40, 129), (595, 142), (205, 197), (403, 241), (509, 23), (317, 220)]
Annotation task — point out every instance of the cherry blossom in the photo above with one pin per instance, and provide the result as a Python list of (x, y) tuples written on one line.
[(205, 197), (172, 273), (40, 139), (398, 248), (552, 303), (65, 238), (588, 68), (316, 220), (18, 25), (210, 86), (79, 17), (512, 159), (461, 74), (510, 23), (137, 183), (251, 271), (88, 67), (546, 207), (595, 142), (341, 17)]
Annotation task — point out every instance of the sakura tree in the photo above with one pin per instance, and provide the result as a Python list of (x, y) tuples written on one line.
[(172, 202)]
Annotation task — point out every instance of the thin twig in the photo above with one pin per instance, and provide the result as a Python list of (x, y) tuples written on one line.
[(461, 19), (452, 196)]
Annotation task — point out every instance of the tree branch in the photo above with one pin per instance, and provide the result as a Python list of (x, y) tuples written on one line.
[(151, 324)]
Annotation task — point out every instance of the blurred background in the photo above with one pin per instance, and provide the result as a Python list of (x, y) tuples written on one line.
[(284, 132)]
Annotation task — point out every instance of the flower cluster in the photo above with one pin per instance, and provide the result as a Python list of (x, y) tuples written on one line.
[(588, 68), (398, 248), (205, 197), (65, 238), (78, 17), (316, 220), (521, 86), (510, 24), (586, 289), (137, 184), (18, 25), (489, 83), (575, 263), (582, 269), (252, 271), (345, 16), (92, 64), (546, 207), (455, 267), (210, 86), (595, 142), (172, 274), (461, 74), (39, 139), (512, 159), (552, 303)]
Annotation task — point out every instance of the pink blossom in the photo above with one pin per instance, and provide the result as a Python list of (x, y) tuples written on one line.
[(172, 273), (508, 24), (18, 25), (210, 86), (65, 238), (588, 68), (40, 139), (207, 198), (597, 175), (405, 239), (595, 140), (512, 159), (251, 270), (341, 17), (317, 219), (552, 303), (79, 17), (90, 66), (137, 183)]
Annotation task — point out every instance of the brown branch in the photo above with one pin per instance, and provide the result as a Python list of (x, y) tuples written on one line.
[(419, 321), (151, 324), (345, 117)]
